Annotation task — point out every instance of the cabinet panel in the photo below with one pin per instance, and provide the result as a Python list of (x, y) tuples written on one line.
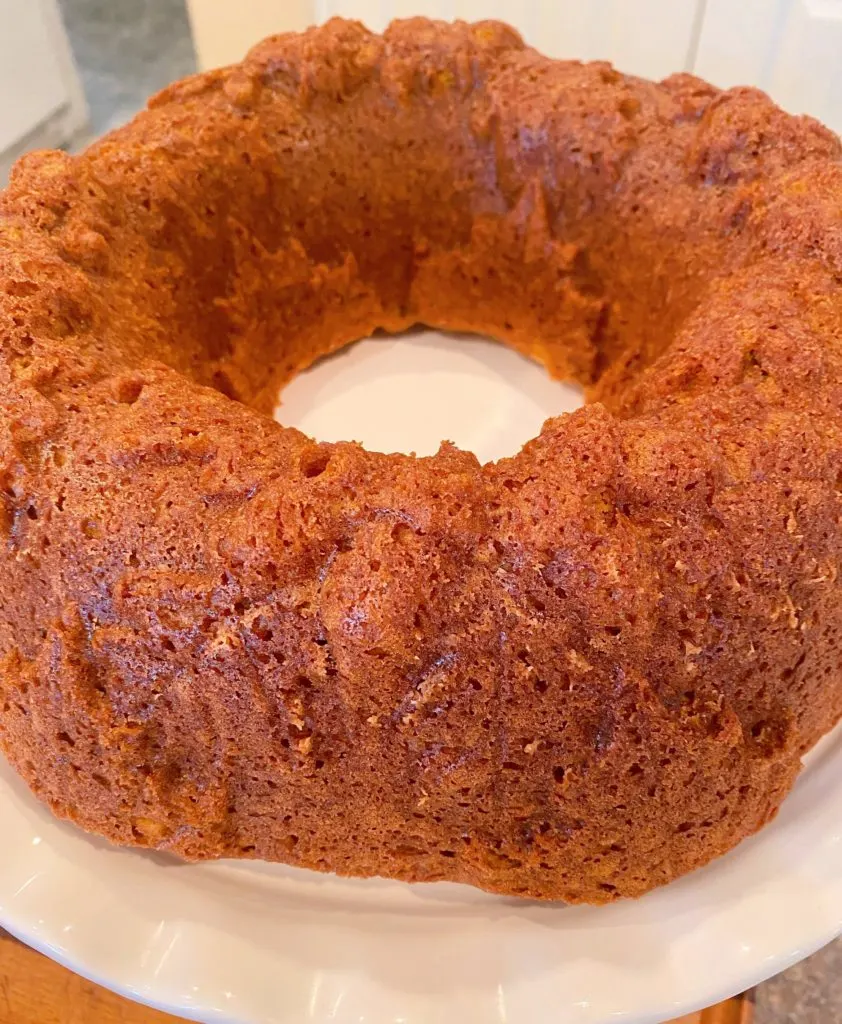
[(648, 37), (790, 48), (31, 83), (223, 30)]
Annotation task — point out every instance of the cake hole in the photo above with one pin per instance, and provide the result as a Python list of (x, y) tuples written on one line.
[(128, 391), (90, 528), (261, 630), (21, 289), (401, 533), (628, 107), (410, 392), (314, 465)]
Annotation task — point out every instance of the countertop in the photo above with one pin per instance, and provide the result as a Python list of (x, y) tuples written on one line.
[(809, 993)]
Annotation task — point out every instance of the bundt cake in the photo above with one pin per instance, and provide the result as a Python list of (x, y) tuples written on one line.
[(576, 673)]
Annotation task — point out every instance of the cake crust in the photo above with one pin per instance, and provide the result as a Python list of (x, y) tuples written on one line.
[(576, 673)]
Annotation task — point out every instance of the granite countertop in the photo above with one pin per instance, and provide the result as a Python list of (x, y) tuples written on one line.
[(809, 993)]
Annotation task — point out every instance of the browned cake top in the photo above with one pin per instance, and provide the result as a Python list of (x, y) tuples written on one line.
[(575, 673)]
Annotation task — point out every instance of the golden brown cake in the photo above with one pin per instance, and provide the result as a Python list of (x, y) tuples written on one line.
[(572, 674)]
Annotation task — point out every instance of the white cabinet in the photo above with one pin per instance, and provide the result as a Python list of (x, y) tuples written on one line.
[(790, 48), (646, 37), (224, 29), (40, 98)]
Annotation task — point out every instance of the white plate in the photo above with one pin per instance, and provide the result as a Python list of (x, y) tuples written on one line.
[(244, 942)]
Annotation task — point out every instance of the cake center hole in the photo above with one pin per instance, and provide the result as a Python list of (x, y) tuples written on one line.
[(409, 392)]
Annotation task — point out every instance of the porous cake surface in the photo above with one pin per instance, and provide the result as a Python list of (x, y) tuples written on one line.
[(572, 674)]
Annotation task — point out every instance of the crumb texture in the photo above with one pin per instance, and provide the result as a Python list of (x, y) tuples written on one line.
[(575, 674)]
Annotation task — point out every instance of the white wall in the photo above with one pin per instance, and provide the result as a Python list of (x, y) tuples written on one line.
[(790, 48)]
